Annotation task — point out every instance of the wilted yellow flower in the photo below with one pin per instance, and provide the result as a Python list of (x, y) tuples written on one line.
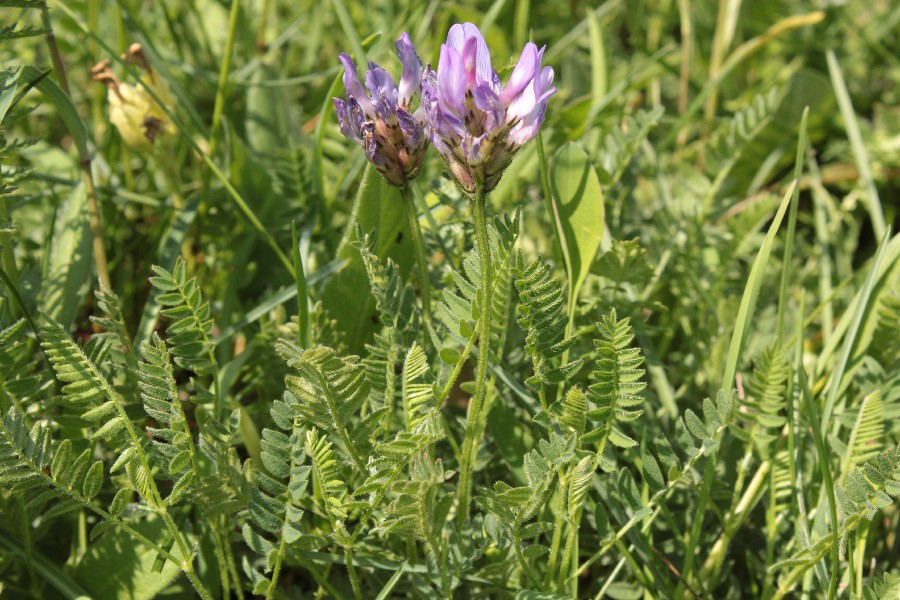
[(140, 120)]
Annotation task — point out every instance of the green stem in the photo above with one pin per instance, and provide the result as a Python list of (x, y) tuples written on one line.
[(470, 443), (451, 381), (276, 570), (55, 56), (354, 578), (7, 256), (222, 87), (84, 159), (219, 551), (187, 561), (229, 555), (733, 522), (557, 528), (419, 246)]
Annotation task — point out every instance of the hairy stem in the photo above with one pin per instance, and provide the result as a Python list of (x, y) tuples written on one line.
[(276, 570), (354, 578), (557, 528), (476, 404), (419, 247), (219, 553)]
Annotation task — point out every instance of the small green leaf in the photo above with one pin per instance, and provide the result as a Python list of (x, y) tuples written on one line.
[(620, 440), (450, 355), (291, 534), (61, 460), (180, 461), (119, 502), (93, 481), (101, 528), (8, 84), (535, 551), (466, 328), (109, 429), (180, 488), (101, 412), (601, 522), (117, 567)]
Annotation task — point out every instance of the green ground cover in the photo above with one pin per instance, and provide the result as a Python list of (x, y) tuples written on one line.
[(660, 359)]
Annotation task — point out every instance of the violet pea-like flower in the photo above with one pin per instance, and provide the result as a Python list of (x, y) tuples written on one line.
[(477, 124), (381, 121)]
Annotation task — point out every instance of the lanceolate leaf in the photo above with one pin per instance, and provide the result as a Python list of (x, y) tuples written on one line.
[(71, 260), (578, 212)]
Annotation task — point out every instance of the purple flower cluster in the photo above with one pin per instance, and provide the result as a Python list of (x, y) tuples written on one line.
[(478, 125), (475, 123), (394, 138)]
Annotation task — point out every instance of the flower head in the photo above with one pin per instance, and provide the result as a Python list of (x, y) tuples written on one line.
[(379, 117), (478, 125), (140, 120)]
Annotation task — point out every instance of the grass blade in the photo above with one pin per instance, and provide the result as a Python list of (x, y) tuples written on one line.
[(873, 202), (862, 301)]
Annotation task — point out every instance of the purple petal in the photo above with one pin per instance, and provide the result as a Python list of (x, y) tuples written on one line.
[(527, 67), (429, 87), (457, 38), (383, 89), (351, 118), (447, 125), (451, 81), (412, 69), (353, 85), (490, 104), (471, 147), (413, 133), (521, 105), (530, 122), (469, 57), (341, 109), (528, 128), (343, 119), (370, 145), (355, 117), (543, 83)]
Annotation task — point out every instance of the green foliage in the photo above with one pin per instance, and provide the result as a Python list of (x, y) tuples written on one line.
[(578, 212), (20, 377), (190, 325), (458, 309), (515, 507), (172, 423), (174, 441), (541, 309), (84, 387), (618, 386), (867, 490), (730, 139), (328, 391), (274, 505), (621, 143), (394, 298), (885, 588)]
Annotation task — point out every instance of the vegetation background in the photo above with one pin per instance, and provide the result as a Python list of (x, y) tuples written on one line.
[(738, 166)]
